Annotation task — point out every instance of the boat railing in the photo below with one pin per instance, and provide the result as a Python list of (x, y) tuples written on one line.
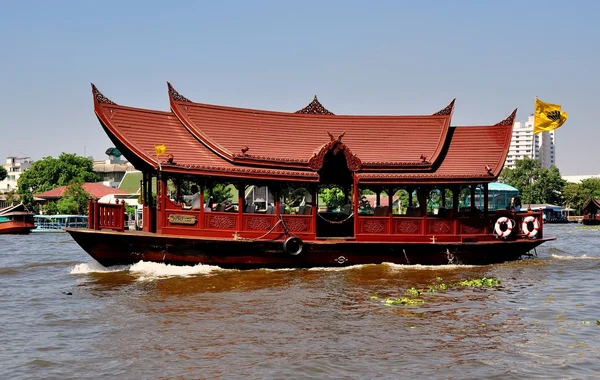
[(110, 216), (443, 226), (251, 224)]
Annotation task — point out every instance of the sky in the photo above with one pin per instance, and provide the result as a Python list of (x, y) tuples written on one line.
[(369, 57)]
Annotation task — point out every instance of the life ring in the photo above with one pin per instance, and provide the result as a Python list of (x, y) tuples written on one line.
[(509, 226), (535, 224), (293, 245)]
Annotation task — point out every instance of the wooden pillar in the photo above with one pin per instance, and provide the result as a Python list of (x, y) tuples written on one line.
[(278, 202), (390, 192), (201, 221), (315, 202), (378, 198), (473, 196), (485, 200), (443, 190), (355, 202), (455, 195), (241, 192), (410, 196)]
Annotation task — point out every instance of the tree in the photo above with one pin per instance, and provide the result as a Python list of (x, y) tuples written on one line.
[(74, 195), (10, 198), (49, 173), (333, 197), (577, 194), (51, 208), (535, 185), (3, 173), (67, 206)]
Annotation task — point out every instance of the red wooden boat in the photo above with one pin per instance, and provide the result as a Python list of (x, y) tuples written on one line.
[(306, 152), (591, 213), (16, 220)]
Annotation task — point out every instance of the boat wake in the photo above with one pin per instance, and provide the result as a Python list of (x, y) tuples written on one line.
[(582, 257), (146, 270), (427, 267), (94, 267), (149, 271)]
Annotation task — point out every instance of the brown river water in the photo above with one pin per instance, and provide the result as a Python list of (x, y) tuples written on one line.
[(65, 316)]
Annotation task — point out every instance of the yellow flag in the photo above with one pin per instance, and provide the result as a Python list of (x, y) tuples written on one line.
[(160, 150), (547, 116)]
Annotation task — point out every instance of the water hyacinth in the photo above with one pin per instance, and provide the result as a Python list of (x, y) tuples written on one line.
[(412, 293)]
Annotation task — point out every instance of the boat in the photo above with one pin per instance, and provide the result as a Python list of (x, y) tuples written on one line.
[(303, 158), (591, 214), (58, 223), (16, 220)]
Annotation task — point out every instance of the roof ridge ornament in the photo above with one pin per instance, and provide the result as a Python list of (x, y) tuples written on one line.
[(100, 98), (510, 120), (336, 145), (175, 95), (315, 107), (446, 111)]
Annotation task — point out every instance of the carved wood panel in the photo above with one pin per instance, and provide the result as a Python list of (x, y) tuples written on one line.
[(220, 221), (370, 226), (439, 227), (407, 226), (471, 230), (259, 223), (297, 224)]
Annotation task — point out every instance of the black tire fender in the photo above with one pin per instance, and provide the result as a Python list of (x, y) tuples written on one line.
[(293, 246)]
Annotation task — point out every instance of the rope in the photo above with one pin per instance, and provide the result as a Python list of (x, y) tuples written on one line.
[(285, 229), (336, 222)]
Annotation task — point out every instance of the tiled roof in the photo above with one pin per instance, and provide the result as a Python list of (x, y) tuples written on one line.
[(96, 190), (234, 142), (238, 133)]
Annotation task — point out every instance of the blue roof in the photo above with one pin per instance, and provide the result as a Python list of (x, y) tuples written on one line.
[(497, 186)]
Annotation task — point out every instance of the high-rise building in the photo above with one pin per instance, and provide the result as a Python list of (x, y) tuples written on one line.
[(524, 144), (15, 166)]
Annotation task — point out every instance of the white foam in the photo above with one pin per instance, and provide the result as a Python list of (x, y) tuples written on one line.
[(149, 270), (582, 257), (94, 267), (427, 267), (338, 269)]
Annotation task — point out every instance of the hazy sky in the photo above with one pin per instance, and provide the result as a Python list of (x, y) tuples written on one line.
[(371, 57)]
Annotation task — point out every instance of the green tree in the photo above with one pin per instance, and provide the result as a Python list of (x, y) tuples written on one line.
[(220, 192), (74, 194), (535, 185), (11, 199), (50, 208), (67, 206), (3, 173), (577, 194), (49, 173), (333, 197)]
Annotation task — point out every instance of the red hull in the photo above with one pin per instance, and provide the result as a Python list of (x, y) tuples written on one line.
[(118, 248), (16, 227)]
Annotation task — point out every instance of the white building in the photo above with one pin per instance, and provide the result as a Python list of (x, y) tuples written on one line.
[(525, 144), (15, 166)]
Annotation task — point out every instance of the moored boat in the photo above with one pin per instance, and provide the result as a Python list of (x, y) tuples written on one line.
[(16, 220), (436, 177), (58, 223), (591, 213)]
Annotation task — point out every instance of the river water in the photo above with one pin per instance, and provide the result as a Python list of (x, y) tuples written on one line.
[(65, 316)]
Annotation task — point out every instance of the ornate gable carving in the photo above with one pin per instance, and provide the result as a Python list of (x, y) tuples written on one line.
[(336, 145), (446, 111), (315, 107), (100, 98), (175, 95), (510, 120)]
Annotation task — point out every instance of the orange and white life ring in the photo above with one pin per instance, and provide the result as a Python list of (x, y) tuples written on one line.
[(498, 227), (535, 226)]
